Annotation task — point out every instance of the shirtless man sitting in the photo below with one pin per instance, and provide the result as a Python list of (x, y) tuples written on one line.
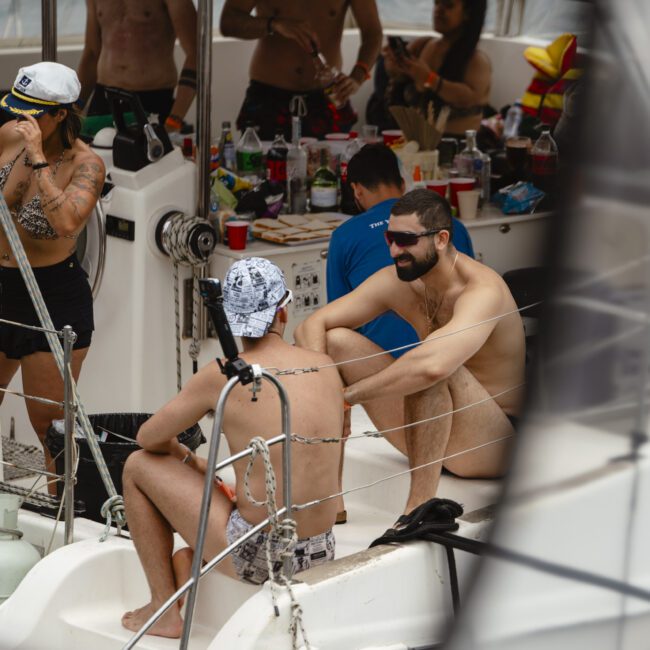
[(283, 69), (443, 294), (130, 45), (163, 484)]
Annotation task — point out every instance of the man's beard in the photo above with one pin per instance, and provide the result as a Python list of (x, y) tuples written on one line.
[(417, 268)]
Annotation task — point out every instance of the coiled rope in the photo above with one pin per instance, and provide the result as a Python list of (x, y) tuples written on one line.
[(174, 238), (284, 531), (57, 352)]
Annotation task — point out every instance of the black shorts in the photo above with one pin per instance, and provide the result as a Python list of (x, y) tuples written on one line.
[(153, 101), (269, 108), (67, 297)]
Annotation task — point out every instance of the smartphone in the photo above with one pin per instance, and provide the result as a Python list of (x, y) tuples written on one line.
[(398, 45)]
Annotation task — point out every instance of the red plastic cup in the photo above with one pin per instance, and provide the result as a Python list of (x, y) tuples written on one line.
[(459, 185), (237, 233), (391, 136), (439, 186)]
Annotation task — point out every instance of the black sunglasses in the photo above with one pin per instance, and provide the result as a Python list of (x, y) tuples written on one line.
[(403, 239)]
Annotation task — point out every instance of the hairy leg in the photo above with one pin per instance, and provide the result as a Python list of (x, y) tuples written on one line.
[(343, 344), (41, 378), (427, 441), (453, 434), (161, 495)]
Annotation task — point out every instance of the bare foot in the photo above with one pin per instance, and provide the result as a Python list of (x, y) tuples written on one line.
[(170, 625), (182, 567)]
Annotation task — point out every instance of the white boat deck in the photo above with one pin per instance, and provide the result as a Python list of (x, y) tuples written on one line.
[(83, 589)]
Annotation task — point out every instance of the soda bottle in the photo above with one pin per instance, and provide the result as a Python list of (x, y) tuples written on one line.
[(296, 171), (326, 76), (470, 163), (324, 188), (227, 148), (276, 160), (249, 156), (348, 204), (544, 163)]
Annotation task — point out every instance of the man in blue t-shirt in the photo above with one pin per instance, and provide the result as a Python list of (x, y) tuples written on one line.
[(358, 248)]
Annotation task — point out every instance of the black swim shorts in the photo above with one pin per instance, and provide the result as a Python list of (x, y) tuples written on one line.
[(67, 297), (270, 109), (159, 102)]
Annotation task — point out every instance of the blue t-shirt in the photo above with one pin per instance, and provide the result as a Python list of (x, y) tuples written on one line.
[(356, 251)]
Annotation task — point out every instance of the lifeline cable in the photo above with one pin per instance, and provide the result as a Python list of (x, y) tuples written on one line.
[(56, 347), (315, 502), (304, 371), (380, 434)]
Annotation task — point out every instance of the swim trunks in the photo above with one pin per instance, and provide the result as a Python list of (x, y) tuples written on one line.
[(68, 299), (271, 109), (250, 558), (159, 102)]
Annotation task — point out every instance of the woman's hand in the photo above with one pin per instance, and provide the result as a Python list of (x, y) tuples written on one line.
[(416, 69), (32, 137)]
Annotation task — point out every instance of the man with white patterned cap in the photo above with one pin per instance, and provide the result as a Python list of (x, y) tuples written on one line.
[(163, 483)]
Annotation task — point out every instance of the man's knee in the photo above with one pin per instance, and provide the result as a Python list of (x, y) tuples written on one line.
[(135, 462)]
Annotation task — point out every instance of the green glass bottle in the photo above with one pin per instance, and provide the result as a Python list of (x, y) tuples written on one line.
[(324, 187)]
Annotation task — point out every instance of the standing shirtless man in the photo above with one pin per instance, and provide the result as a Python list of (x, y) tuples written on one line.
[(163, 485), (283, 68), (443, 294), (130, 45)]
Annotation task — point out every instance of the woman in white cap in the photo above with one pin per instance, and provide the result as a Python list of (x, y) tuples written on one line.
[(51, 182)]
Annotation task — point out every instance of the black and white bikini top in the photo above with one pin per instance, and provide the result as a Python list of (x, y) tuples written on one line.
[(30, 215)]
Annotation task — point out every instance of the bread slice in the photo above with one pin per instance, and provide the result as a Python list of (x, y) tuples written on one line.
[(267, 224), (292, 219)]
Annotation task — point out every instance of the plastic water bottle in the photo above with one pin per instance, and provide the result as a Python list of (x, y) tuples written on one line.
[(544, 163), (249, 156), (513, 121)]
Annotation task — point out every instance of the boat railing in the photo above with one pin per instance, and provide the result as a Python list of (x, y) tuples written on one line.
[(68, 404), (258, 374)]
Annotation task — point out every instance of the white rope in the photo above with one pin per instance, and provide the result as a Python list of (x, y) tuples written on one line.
[(303, 371), (177, 316), (175, 239), (55, 344), (310, 504), (285, 531)]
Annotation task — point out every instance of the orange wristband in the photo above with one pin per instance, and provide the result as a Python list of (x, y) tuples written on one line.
[(365, 67), (431, 79), (174, 122)]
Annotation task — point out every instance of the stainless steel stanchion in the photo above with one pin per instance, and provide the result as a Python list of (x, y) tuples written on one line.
[(69, 338)]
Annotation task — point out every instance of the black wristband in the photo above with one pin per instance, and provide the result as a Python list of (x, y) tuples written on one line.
[(269, 26), (40, 165), (188, 73)]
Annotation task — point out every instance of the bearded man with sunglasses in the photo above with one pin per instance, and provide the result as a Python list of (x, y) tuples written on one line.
[(464, 380)]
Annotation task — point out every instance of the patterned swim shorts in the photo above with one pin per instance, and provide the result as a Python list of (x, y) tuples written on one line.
[(250, 558)]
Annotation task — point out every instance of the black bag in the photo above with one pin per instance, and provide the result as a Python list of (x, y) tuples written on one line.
[(138, 144)]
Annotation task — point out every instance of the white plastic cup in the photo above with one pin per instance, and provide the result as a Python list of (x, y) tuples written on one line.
[(468, 204)]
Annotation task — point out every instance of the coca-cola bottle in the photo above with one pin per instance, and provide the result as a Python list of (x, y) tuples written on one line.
[(276, 160), (544, 163), (348, 204)]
